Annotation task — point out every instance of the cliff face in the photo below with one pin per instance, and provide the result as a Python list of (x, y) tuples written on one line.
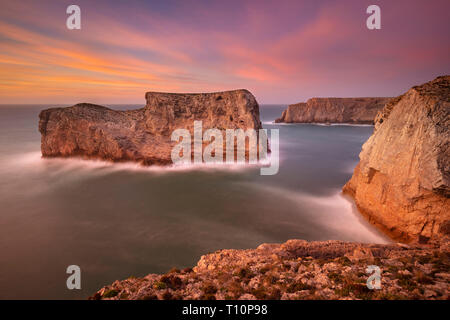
[(402, 180), (142, 135), (334, 110), (299, 269)]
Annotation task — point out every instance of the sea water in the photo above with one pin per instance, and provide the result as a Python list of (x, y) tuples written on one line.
[(122, 220)]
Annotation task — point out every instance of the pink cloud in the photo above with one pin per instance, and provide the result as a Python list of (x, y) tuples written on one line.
[(283, 52)]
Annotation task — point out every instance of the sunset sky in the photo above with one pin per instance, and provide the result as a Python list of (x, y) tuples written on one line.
[(282, 51)]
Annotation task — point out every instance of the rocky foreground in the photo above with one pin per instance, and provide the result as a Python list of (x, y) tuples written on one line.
[(402, 182), (334, 110), (143, 135), (299, 269)]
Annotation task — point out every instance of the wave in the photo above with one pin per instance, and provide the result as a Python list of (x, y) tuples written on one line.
[(343, 124), (273, 123), (350, 168), (334, 211), (35, 161)]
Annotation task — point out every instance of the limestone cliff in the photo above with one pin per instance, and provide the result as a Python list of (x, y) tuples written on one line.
[(334, 110), (402, 180), (142, 135)]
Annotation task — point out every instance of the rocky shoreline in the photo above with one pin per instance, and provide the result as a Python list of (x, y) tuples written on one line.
[(299, 269), (334, 110), (401, 185)]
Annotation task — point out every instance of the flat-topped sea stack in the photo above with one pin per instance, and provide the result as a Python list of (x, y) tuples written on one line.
[(143, 135), (402, 180), (334, 110)]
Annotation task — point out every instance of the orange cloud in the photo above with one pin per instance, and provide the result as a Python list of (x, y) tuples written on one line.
[(274, 49)]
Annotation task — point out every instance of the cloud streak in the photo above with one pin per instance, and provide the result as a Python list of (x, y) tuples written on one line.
[(283, 52)]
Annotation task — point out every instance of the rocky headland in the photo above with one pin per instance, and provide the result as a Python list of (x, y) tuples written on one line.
[(401, 183), (334, 110), (299, 269), (143, 135)]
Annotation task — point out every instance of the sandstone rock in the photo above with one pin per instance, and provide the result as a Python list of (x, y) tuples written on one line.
[(142, 135), (429, 293), (360, 254), (334, 110), (402, 180)]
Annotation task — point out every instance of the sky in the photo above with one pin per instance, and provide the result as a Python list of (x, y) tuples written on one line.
[(282, 51)]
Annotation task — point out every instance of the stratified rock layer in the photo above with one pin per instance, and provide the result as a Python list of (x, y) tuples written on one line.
[(334, 110), (299, 269), (402, 180), (142, 135)]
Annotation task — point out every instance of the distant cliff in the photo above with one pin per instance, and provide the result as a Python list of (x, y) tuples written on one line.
[(402, 182), (142, 135), (334, 110)]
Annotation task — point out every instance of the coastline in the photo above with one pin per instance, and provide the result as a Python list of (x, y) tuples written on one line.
[(239, 151), (298, 269)]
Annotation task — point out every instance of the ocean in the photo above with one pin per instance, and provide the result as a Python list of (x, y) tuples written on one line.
[(120, 220)]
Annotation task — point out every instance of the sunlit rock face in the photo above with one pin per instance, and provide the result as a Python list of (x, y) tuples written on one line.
[(334, 110), (142, 135), (402, 180)]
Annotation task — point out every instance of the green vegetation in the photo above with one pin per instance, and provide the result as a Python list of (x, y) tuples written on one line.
[(110, 293)]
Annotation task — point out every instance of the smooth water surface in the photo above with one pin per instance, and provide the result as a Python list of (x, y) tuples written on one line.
[(119, 220)]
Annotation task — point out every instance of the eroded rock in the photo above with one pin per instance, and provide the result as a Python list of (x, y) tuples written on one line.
[(334, 110), (402, 180), (299, 269), (142, 135)]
